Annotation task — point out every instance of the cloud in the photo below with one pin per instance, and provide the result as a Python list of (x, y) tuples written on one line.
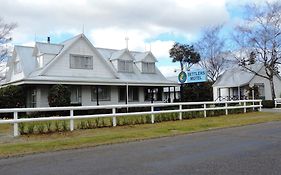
[(152, 17), (160, 49), (108, 22), (169, 71)]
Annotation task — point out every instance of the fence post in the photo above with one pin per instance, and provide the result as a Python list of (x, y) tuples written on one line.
[(180, 113), (152, 115), (260, 106), (245, 109), (226, 110), (205, 112), (114, 123), (71, 124), (16, 125)]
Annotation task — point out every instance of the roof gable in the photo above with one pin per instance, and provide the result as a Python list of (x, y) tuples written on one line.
[(72, 46), (237, 76), (144, 57), (123, 54), (47, 48)]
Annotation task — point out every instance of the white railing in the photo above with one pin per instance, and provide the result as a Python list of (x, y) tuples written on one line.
[(255, 104), (277, 101)]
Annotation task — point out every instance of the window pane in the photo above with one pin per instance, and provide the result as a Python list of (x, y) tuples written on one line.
[(125, 65), (155, 93), (75, 94), (81, 62), (135, 92), (148, 67), (260, 90), (122, 93), (104, 93)]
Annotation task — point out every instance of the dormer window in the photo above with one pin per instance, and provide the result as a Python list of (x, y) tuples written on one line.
[(81, 62), (125, 65), (148, 67), (17, 68), (40, 61)]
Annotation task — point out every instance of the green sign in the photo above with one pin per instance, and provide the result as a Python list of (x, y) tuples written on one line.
[(182, 77)]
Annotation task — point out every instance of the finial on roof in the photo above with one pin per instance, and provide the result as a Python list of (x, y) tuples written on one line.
[(127, 42), (150, 47), (35, 37)]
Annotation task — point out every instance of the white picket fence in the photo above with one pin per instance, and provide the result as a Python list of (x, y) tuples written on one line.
[(277, 102), (181, 107)]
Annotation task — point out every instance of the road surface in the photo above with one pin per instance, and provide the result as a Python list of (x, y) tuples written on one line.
[(254, 149)]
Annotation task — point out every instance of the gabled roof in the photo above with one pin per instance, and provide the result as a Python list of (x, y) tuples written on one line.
[(33, 74), (118, 54), (141, 56), (28, 61), (47, 48), (237, 77), (67, 44)]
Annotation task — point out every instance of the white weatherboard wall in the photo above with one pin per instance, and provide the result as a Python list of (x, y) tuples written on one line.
[(277, 85), (81, 47), (86, 94)]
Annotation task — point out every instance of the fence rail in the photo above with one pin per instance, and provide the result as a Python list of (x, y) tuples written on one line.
[(277, 101), (181, 107)]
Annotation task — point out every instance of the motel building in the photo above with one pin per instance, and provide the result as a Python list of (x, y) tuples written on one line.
[(96, 76)]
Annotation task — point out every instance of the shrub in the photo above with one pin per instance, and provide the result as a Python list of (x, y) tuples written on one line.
[(12, 97), (40, 128), (268, 104), (59, 96)]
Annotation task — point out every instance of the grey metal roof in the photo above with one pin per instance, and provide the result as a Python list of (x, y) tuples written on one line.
[(37, 74), (28, 61), (48, 48), (117, 54), (237, 77)]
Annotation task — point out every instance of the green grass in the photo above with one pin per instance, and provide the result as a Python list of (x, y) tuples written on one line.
[(28, 144)]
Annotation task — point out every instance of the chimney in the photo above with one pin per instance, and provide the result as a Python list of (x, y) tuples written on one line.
[(48, 40)]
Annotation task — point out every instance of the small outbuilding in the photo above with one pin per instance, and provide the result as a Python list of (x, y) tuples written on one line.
[(235, 84)]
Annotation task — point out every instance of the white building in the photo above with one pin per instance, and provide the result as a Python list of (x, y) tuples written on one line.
[(172, 93), (234, 84), (119, 76)]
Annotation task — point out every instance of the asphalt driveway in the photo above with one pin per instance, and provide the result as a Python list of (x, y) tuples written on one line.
[(254, 149)]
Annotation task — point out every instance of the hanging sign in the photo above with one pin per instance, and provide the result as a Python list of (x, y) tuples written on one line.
[(196, 76), (182, 77)]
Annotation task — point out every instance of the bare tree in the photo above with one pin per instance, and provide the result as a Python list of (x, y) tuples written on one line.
[(5, 37), (260, 34), (211, 48)]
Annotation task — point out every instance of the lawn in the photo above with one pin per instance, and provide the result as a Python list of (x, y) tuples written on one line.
[(35, 143)]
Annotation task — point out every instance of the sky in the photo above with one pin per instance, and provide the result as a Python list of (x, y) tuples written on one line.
[(149, 25)]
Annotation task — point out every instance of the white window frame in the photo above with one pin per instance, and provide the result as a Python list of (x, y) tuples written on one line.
[(125, 65), (17, 68), (261, 89), (85, 62), (32, 98), (75, 95), (148, 67)]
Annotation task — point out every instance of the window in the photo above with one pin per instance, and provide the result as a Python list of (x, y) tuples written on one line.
[(133, 94), (104, 93), (32, 98), (39, 61), (260, 90), (75, 96), (125, 65), (81, 62), (17, 67), (148, 67), (153, 94)]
